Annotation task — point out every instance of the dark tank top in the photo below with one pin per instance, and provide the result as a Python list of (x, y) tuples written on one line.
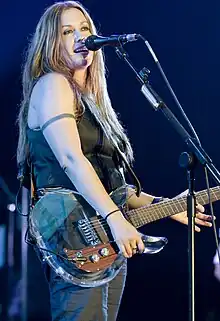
[(95, 146)]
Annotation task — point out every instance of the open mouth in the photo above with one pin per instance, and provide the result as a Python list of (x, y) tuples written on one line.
[(82, 50)]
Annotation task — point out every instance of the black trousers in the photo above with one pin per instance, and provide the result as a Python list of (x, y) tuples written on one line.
[(74, 303)]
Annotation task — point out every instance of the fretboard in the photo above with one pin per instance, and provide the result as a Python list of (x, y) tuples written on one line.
[(154, 212)]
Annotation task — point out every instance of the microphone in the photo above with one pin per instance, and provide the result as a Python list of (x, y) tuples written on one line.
[(95, 42)]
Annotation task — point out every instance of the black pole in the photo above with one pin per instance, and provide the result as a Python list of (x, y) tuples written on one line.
[(188, 161)]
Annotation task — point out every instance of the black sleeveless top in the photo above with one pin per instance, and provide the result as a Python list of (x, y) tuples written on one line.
[(95, 146)]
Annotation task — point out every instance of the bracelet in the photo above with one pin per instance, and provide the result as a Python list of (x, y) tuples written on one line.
[(111, 213)]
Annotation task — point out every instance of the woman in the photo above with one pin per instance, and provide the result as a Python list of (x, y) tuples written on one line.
[(71, 134)]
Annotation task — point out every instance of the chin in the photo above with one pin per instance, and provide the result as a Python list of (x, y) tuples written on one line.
[(81, 63)]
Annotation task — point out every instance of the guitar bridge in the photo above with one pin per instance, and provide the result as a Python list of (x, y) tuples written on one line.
[(87, 231)]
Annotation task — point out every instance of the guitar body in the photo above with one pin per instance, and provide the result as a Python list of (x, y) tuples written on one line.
[(75, 241)]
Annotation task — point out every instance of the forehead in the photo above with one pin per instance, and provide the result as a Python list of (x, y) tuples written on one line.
[(72, 16)]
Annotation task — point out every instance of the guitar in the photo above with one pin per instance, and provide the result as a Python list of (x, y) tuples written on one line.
[(77, 242)]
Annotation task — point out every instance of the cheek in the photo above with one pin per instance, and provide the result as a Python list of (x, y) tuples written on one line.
[(69, 44)]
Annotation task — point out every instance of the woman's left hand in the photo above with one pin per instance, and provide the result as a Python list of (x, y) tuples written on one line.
[(200, 219)]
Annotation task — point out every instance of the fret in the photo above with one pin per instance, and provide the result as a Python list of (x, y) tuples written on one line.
[(163, 211), (203, 199), (150, 215), (176, 209), (171, 208), (166, 210), (182, 205), (135, 219), (154, 212), (143, 219), (215, 196)]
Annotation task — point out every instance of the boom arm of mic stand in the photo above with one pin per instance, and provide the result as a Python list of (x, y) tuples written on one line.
[(158, 104)]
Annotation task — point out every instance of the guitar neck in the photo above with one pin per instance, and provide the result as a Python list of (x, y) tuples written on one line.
[(147, 214)]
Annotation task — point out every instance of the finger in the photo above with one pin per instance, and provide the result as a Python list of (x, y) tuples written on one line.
[(204, 217), (133, 244), (128, 248), (200, 208), (197, 229), (203, 223), (140, 245), (122, 249)]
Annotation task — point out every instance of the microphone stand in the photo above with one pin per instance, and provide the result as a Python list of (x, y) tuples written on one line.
[(188, 160)]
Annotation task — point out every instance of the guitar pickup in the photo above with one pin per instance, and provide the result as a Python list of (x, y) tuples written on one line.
[(80, 259)]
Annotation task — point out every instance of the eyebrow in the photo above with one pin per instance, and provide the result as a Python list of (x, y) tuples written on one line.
[(81, 23)]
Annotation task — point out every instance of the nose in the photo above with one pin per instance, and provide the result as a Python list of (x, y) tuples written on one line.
[(77, 36)]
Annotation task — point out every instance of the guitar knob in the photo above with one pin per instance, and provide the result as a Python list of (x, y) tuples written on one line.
[(79, 254), (95, 258), (104, 251)]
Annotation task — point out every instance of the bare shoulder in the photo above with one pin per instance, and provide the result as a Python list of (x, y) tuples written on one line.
[(52, 83), (53, 78), (51, 96)]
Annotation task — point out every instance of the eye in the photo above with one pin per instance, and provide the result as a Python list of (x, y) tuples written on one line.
[(67, 32), (85, 28)]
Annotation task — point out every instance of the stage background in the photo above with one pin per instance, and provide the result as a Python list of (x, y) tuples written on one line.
[(185, 37)]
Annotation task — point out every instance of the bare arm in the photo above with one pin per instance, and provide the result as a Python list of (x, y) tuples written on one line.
[(136, 202)]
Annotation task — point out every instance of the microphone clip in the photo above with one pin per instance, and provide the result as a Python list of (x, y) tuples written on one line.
[(144, 74)]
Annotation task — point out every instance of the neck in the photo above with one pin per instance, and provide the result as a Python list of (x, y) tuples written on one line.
[(80, 78)]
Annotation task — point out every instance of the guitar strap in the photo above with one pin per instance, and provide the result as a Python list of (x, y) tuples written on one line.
[(26, 178)]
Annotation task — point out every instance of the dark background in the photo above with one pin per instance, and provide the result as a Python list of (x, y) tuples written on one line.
[(185, 37)]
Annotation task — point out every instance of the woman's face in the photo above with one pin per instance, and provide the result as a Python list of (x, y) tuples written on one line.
[(75, 28)]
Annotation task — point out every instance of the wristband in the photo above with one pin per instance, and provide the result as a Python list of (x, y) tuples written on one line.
[(111, 213)]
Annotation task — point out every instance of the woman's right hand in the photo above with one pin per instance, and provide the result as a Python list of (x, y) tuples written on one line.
[(125, 235)]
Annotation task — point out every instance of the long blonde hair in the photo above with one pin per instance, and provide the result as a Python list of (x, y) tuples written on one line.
[(44, 56)]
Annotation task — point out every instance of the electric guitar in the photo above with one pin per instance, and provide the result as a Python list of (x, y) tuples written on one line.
[(77, 242)]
